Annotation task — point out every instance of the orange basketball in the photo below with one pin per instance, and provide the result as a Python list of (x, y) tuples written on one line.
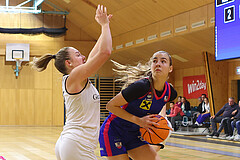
[(159, 133)]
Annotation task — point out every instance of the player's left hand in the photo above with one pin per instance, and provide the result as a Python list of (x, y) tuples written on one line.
[(147, 122)]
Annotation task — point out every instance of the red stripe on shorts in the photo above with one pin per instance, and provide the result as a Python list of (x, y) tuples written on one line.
[(105, 135), (106, 129)]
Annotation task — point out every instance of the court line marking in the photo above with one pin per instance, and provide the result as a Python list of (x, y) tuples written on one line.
[(204, 149), (209, 140)]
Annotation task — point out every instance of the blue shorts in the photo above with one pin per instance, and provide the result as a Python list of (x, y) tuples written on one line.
[(117, 138)]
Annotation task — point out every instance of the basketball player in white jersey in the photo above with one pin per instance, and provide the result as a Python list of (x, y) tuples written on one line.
[(79, 137)]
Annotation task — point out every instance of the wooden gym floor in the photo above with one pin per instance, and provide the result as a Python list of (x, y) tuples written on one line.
[(38, 143)]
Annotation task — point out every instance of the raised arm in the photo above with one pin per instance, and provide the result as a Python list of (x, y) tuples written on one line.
[(98, 56), (97, 45)]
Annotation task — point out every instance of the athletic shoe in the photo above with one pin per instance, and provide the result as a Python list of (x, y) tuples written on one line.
[(216, 135), (195, 126), (230, 138), (237, 137), (210, 135), (175, 129), (223, 137)]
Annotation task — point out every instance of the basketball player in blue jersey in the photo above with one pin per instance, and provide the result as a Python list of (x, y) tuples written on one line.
[(79, 137), (135, 107)]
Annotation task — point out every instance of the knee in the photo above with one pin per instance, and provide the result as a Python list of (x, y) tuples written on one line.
[(224, 120), (213, 120), (238, 123)]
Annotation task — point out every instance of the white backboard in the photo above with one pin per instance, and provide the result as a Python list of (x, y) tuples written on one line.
[(17, 51)]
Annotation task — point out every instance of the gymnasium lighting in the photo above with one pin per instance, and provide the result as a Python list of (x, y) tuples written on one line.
[(119, 46), (152, 37), (180, 29), (166, 33), (128, 44), (67, 1), (179, 58), (238, 70), (141, 40), (212, 20), (198, 24)]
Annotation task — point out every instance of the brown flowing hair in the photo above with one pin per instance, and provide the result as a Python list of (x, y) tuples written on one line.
[(40, 64), (129, 74)]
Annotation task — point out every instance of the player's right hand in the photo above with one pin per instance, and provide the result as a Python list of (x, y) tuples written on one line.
[(101, 15)]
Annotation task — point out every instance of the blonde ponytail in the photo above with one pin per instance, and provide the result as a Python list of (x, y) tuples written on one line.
[(40, 64)]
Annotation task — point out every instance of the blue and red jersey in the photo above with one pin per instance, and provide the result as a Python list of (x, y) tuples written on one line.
[(117, 133)]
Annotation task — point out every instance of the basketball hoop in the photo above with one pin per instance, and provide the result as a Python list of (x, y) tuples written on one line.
[(19, 62), (18, 66)]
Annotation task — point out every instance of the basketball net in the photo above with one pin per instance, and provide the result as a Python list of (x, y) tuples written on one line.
[(18, 66), (18, 62)]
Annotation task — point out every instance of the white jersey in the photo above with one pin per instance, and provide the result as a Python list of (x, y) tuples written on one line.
[(82, 114), (207, 107)]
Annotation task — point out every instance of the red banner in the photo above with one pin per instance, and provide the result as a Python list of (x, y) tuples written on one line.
[(194, 86)]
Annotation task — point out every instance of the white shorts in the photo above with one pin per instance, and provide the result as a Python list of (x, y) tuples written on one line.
[(68, 149)]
